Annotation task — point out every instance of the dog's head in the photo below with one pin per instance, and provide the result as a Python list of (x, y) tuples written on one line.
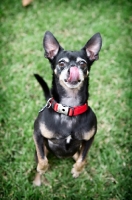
[(71, 67)]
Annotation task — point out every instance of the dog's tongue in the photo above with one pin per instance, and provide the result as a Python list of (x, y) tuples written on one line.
[(74, 74)]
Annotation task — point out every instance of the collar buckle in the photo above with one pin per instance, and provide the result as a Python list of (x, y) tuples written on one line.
[(63, 109)]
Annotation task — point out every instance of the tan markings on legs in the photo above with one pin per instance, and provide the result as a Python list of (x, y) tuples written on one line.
[(42, 166), (45, 132), (75, 156), (37, 179), (79, 165), (46, 150), (78, 168), (42, 163), (80, 162), (89, 134)]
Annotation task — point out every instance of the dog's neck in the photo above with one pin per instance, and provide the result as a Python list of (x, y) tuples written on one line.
[(70, 97)]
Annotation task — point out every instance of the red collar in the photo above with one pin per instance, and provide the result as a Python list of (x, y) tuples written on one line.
[(69, 111)]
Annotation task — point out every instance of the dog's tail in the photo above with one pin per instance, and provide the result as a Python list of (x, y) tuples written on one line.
[(44, 86)]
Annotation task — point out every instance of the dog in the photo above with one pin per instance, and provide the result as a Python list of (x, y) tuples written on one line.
[(66, 125)]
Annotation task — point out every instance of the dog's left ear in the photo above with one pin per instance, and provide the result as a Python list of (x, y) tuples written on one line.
[(51, 45), (93, 47)]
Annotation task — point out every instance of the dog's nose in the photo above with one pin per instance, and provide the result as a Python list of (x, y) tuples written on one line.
[(73, 65)]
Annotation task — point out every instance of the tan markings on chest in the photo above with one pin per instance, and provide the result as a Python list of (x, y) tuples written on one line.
[(89, 134), (45, 132)]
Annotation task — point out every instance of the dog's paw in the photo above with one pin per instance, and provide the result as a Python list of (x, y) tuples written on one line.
[(37, 180), (75, 173), (42, 166), (77, 169)]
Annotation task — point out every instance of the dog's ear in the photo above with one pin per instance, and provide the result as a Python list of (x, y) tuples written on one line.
[(93, 47), (51, 45)]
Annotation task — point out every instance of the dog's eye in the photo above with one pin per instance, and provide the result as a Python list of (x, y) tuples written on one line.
[(83, 64), (61, 63)]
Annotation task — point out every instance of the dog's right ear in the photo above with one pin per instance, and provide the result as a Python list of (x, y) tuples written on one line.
[(93, 47), (51, 45)]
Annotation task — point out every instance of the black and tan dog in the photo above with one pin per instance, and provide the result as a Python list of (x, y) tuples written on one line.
[(67, 125)]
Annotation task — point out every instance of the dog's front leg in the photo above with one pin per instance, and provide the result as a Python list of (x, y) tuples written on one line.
[(81, 160), (42, 164)]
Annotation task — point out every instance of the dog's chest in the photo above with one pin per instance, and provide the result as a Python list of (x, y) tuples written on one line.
[(64, 134), (61, 138), (62, 126), (64, 147), (59, 126), (65, 122)]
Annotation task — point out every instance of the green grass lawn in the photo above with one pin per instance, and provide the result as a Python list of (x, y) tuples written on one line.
[(108, 173)]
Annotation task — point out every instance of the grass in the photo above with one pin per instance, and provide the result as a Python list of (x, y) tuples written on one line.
[(107, 175)]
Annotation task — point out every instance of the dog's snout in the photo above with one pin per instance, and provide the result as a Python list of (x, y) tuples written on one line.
[(73, 74), (72, 65)]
